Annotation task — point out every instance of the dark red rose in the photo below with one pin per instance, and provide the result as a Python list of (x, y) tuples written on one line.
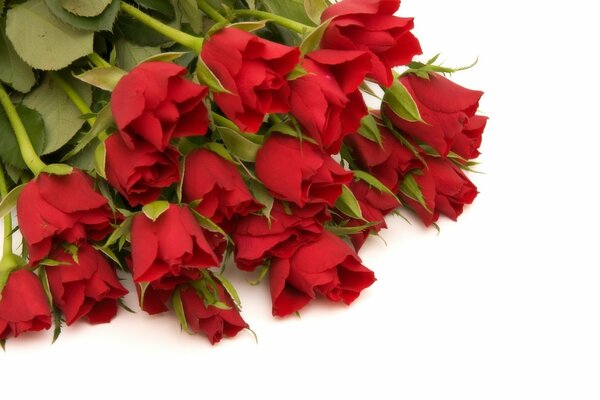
[(23, 305), (256, 237), (449, 114), (388, 162), (327, 266), (299, 172), (371, 25), (171, 250), (141, 172), (218, 184), (56, 208), (445, 188), (254, 70), (155, 300), (155, 102), (215, 322), (326, 101), (87, 288), (374, 205)]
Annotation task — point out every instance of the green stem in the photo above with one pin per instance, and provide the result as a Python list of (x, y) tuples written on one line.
[(279, 20), (210, 11), (187, 40), (98, 61), (74, 97), (32, 160), (7, 246)]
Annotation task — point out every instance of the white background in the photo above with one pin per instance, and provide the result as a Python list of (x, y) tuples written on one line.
[(503, 305)]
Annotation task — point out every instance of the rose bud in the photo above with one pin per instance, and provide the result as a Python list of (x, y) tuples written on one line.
[(449, 114), (215, 321), (141, 172), (84, 288), (155, 101), (371, 25), (299, 172), (154, 300), (23, 305), (326, 101), (445, 189), (256, 237), (56, 208), (388, 162), (218, 185), (327, 266), (170, 250), (254, 71)]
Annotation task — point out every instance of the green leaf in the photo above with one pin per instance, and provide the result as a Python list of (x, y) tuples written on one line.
[(161, 6), (58, 169), (376, 183), (313, 40), (188, 12), (10, 200), (401, 102), (314, 9), (131, 29), (292, 9), (370, 130), (348, 204), (61, 118), (220, 150), (239, 144), (208, 78), (34, 125), (130, 54), (85, 8), (100, 159), (179, 311), (104, 120), (105, 78), (411, 189), (155, 209), (102, 22), (13, 71), (43, 41)]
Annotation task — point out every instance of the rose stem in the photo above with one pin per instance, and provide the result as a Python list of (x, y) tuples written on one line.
[(279, 20), (32, 160), (210, 11), (98, 61), (7, 246), (187, 40)]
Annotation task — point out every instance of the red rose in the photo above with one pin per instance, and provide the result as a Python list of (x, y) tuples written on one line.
[(56, 208), (388, 162), (155, 102), (154, 300), (299, 172), (254, 70), (257, 237), (171, 250), (449, 114), (445, 188), (374, 205), (215, 322), (23, 305), (218, 184), (88, 287), (327, 266), (371, 25), (139, 173), (326, 101)]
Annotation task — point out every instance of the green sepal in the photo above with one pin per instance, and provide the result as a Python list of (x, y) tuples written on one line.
[(243, 146), (401, 102), (10, 200), (312, 40), (155, 209), (348, 204), (411, 189), (58, 169), (105, 78)]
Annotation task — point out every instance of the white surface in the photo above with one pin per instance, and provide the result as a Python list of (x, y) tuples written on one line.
[(503, 305)]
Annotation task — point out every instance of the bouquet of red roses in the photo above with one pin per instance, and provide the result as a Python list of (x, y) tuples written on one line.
[(163, 139)]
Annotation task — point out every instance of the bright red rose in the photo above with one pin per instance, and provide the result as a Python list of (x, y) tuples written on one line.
[(154, 101), (300, 172), (326, 101), (210, 320), (171, 250), (141, 172), (23, 305), (449, 114), (388, 162), (86, 288), (218, 184), (56, 208), (374, 205), (445, 188), (371, 25), (256, 238), (254, 70), (327, 266)]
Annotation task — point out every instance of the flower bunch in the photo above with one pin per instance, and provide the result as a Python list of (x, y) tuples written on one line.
[(146, 141)]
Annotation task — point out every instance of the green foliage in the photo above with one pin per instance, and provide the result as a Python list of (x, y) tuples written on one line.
[(102, 22), (348, 204), (292, 9), (34, 125), (85, 8), (13, 70)]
